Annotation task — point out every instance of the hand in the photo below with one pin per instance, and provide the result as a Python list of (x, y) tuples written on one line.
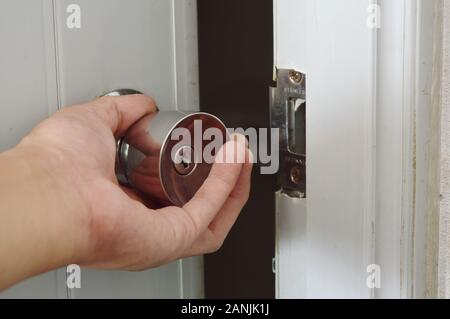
[(86, 217)]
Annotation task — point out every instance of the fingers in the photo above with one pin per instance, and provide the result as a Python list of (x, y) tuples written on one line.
[(219, 228), (215, 191), (119, 113), (226, 218), (152, 237)]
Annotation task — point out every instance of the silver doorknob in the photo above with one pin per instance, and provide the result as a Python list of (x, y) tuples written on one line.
[(161, 155)]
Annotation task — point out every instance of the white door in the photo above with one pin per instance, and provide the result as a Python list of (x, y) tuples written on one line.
[(57, 53), (367, 227)]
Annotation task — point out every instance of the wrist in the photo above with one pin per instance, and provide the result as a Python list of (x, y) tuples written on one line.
[(38, 212)]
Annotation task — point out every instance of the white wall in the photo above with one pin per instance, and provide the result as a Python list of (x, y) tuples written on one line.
[(444, 262)]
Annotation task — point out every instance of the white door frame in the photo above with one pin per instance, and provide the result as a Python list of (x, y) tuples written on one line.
[(373, 113)]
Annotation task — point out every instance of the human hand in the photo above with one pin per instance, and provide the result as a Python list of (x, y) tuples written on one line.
[(98, 223)]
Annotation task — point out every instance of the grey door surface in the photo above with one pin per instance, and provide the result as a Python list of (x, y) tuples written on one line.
[(47, 64)]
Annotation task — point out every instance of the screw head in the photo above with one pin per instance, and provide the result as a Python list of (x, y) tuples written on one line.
[(183, 161), (295, 77), (296, 175)]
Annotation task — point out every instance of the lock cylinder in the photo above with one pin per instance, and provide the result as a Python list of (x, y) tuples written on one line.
[(161, 156)]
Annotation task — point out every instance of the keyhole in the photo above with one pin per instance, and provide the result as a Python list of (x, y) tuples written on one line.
[(183, 163)]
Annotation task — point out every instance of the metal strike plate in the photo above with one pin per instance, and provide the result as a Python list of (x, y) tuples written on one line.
[(288, 114)]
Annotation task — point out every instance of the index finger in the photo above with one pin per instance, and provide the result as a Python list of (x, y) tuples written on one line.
[(220, 183), (120, 112)]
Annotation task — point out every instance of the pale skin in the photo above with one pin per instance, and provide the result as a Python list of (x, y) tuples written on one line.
[(60, 202)]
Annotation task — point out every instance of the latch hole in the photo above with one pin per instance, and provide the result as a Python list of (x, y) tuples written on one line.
[(296, 126)]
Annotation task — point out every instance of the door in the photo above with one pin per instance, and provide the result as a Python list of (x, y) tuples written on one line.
[(367, 226), (60, 53)]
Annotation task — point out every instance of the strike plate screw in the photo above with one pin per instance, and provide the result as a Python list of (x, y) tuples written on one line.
[(296, 175), (295, 77)]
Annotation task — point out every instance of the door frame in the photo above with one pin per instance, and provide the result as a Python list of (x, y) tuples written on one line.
[(400, 222)]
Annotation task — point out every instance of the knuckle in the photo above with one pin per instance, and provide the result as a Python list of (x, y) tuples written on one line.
[(144, 98), (240, 197), (106, 100), (223, 181), (108, 110)]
